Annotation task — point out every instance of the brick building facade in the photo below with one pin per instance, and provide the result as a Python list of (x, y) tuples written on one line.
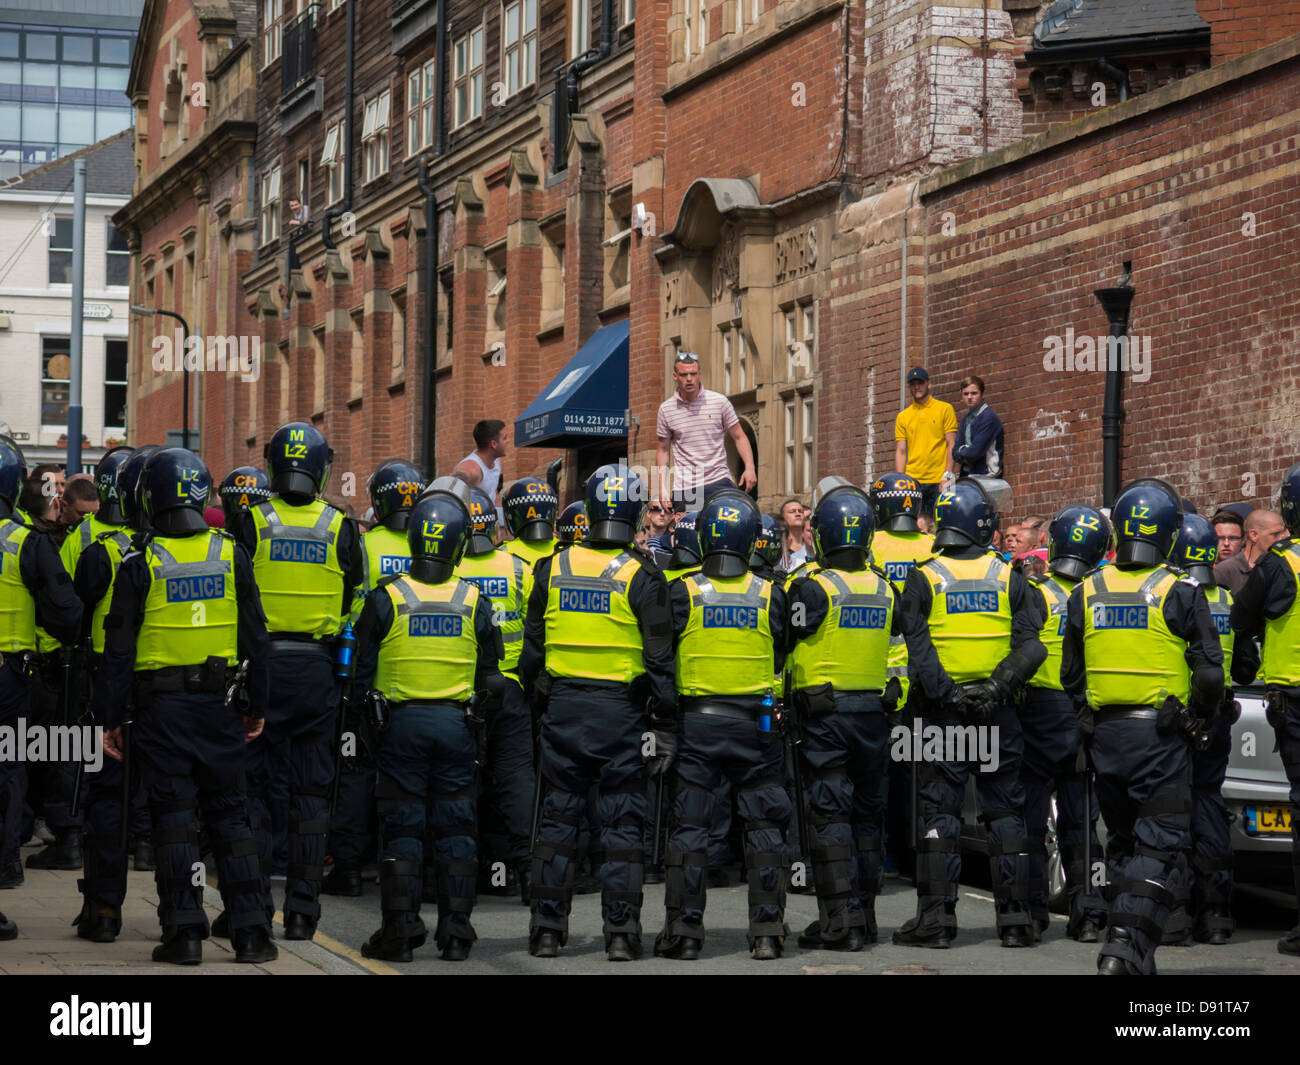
[(750, 180)]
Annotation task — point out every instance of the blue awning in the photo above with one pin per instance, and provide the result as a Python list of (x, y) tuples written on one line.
[(586, 402)]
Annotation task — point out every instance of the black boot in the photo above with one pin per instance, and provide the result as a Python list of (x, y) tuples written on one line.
[(680, 948), (392, 942), (180, 950), (144, 860), (343, 880), (99, 924), (8, 930), (457, 949), (767, 948), (544, 944), (11, 876), (255, 947), (623, 947), (63, 853), (299, 926)]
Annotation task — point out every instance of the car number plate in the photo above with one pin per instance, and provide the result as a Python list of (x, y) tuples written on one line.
[(1268, 820)]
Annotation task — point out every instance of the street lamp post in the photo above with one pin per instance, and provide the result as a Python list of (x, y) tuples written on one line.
[(185, 373)]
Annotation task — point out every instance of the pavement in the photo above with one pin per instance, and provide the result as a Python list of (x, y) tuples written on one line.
[(46, 903)]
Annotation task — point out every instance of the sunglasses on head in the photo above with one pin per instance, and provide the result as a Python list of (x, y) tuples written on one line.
[(655, 508), (687, 356)]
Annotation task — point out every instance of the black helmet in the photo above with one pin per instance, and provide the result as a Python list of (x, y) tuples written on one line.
[(13, 472), (298, 458), (483, 515), (616, 502), (767, 548), (843, 520), (686, 541), (1289, 499), (1078, 540), (129, 485), (438, 533), (729, 524), (571, 526), (727, 529), (110, 508), (394, 487), (964, 516), (175, 487), (1196, 549), (1147, 515), (896, 500), (244, 488), (530, 505)]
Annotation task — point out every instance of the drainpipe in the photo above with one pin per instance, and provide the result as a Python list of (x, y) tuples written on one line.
[(348, 102), (566, 82), (429, 439), (1116, 303), (1117, 74)]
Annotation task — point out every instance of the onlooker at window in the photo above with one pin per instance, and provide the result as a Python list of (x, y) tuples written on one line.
[(693, 425), (1229, 528), (979, 449), (924, 434), (297, 212), (1263, 528)]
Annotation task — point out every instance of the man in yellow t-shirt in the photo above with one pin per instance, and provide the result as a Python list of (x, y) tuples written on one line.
[(925, 432)]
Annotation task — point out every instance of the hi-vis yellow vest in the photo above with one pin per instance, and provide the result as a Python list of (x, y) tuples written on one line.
[(297, 568), (1128, 651), (190, 611), (431, 649), (851, 646), (116, 543), (1281, 657), (896, 553), (1056, 596), (17, 607), (89, 530), (531, 551), (505, 579), (383, 553), (591, 631), (1220, 600), (671, 575), (726, 647), (970, 614)]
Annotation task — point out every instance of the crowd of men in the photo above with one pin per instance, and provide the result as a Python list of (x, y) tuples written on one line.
[(483, 708)]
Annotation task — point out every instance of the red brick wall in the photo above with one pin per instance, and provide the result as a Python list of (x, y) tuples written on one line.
[(1169, 190), (1241, 26)]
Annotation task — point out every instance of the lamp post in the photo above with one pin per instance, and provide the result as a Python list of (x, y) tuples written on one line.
[(185, 374)]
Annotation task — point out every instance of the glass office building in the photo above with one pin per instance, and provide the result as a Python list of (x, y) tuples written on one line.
[(63, 74)]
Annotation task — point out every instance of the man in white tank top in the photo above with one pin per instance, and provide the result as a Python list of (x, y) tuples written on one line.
[(482, 466)]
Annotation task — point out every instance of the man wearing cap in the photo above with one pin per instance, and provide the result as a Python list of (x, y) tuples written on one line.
[(924, 433), (693, 425)]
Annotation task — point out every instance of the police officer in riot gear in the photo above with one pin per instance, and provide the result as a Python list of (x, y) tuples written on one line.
[(34, 588), (1201, 910), (95, 567), (1268, 608), (842, 616), (107, 519), (393, 487), (506, 581), (571, 525), (686, 547), (599, 633), (243, 488), (426, 643), (530, 505), (767, 549), (307, 560), (730, 629), (1079, 539), (184, 611), (1132, 630), (971, 625)]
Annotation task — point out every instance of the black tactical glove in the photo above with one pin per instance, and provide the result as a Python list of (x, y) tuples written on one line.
[(1275, 708), (1231, 708), (892, 694), (984, 699), (663, 735)]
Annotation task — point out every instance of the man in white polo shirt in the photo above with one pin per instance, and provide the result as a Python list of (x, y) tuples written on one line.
[(695, 422)]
